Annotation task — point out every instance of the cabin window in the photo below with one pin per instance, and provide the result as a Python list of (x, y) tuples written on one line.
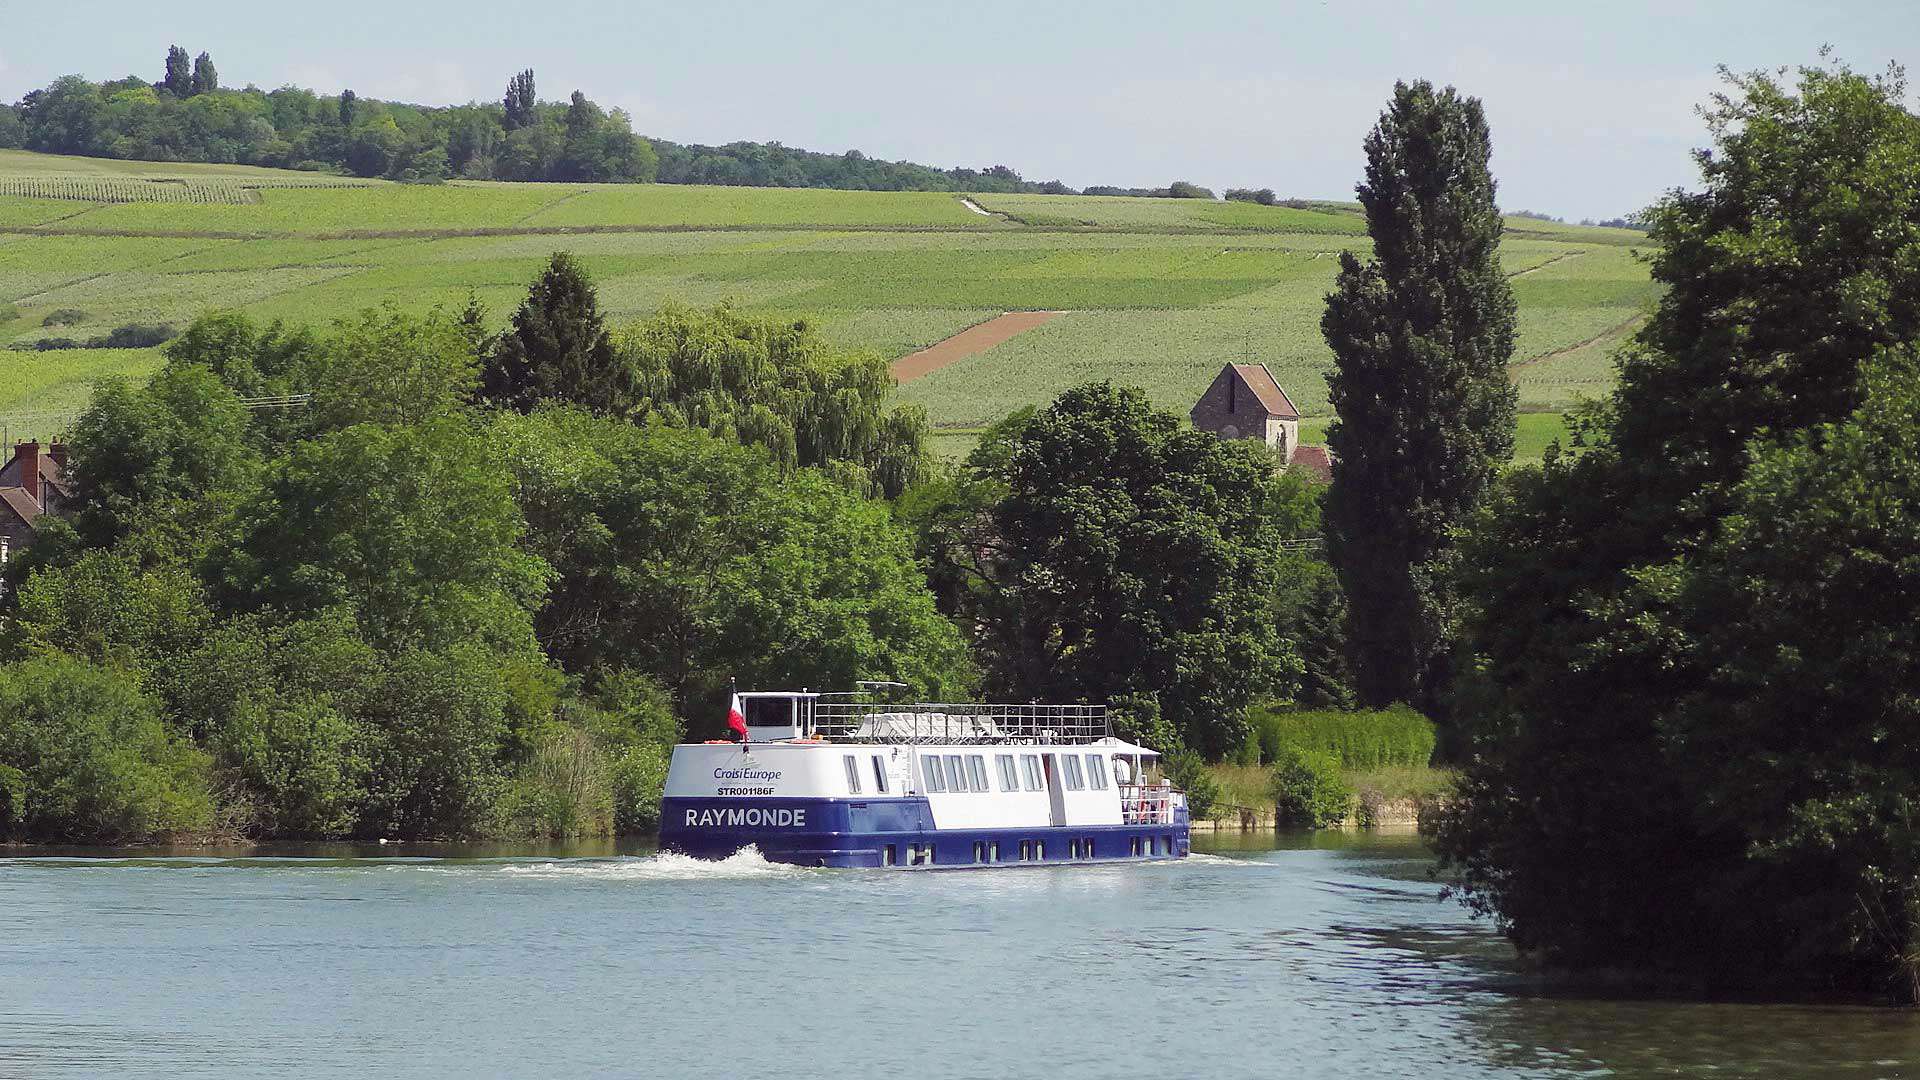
[(1031, 764), (1026, 851), (879, 775), (930, 765), (1073, 849), (1075, 781), (1009, 774), (853, 774), (887, 856), (979, 851), (1040, 850), (993, 851), (1097, 771), (1133, 846), (977, 772), (1086, 847), (956, 776)]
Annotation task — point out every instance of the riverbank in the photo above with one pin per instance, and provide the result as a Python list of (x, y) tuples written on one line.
[(1394, 797)]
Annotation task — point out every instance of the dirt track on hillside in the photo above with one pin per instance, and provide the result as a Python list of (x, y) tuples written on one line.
[(974, 339)]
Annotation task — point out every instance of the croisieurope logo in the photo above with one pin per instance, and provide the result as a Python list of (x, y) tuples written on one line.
[(747, 773)]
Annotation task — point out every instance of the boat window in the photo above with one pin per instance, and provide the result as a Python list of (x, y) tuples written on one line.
[(1097, 771), (853, 774), (1031, 763), (977, 772), (956, 775), (930, 765), (1074, 779), (1009, 775), (879, 775), (979, 851), (993, 850)]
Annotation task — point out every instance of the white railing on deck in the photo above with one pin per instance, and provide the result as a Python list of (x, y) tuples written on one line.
[(866, 721), (1146, 804)]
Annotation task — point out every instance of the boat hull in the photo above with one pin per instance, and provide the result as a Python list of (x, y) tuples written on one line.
[(898, 833)]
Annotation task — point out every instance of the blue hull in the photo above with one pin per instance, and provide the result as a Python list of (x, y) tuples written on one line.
[(897, 833)]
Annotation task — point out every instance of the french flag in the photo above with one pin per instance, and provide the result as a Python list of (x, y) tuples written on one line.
[(736, 719)]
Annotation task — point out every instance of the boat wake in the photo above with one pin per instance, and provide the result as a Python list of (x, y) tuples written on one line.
[(661, 866)]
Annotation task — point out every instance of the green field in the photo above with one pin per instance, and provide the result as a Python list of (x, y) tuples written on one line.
[(1159, 292)]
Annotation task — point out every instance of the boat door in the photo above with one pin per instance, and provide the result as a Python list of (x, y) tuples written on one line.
[(1056, 795)]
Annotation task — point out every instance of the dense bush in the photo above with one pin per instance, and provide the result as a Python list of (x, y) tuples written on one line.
[(128, 336), (1189, 773), (65, 316), (1181, 189), (84, 758), (1397, 737), (1264, 196), (1308, 789)]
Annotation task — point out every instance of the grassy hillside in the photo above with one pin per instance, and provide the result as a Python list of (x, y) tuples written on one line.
[(1159, 292)]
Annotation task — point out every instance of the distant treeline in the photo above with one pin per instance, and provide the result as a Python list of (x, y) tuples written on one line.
[(188, 116)]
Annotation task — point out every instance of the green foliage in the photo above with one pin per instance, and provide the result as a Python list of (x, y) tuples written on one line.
[(558, 350), (779, 385), (105, 608), (437, 720), (1308, 789), (84, 758), (414, 528), (64, 317), (1387, 738), (157, 455), (386, 367), (301, 762), (1121, 552), (1421, 336), (567, 788), (1692, 680), (1189, 773), (693, 559)]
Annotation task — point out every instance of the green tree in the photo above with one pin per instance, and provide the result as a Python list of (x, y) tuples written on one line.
[(557, 349), (349, 108), (520, 101), (164, 456), (1804, 735), (691, 559), (777, 384), (1130, 554), (84, 759), (1589, 818), (1421, 336), (389, 367), (178, 80), (205, 79), (413, 528)]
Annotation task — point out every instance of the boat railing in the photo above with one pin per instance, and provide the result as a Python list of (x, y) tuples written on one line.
[(969, 722), (1146, 804)]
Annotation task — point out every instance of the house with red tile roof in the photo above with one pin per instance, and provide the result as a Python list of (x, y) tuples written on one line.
[(1245, 401), (33, 484)]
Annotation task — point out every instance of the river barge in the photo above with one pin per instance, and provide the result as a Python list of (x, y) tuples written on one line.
[(851, 781)]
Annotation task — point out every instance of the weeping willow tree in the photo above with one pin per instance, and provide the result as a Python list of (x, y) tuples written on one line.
[(775, 383)]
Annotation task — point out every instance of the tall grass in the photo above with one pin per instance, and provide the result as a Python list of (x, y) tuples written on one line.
[(1387, 738)]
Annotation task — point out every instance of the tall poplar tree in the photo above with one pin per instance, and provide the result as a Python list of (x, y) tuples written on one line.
[(1421, 336), (519, 101), (205, 78), (179, 78)]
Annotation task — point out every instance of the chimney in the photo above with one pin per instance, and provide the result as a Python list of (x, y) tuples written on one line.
[(28, 455), (57, 450)]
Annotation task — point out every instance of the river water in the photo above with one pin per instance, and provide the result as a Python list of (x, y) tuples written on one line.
[(1303, 956)]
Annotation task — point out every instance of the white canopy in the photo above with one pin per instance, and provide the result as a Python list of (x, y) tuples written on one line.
[(1114, 745)]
